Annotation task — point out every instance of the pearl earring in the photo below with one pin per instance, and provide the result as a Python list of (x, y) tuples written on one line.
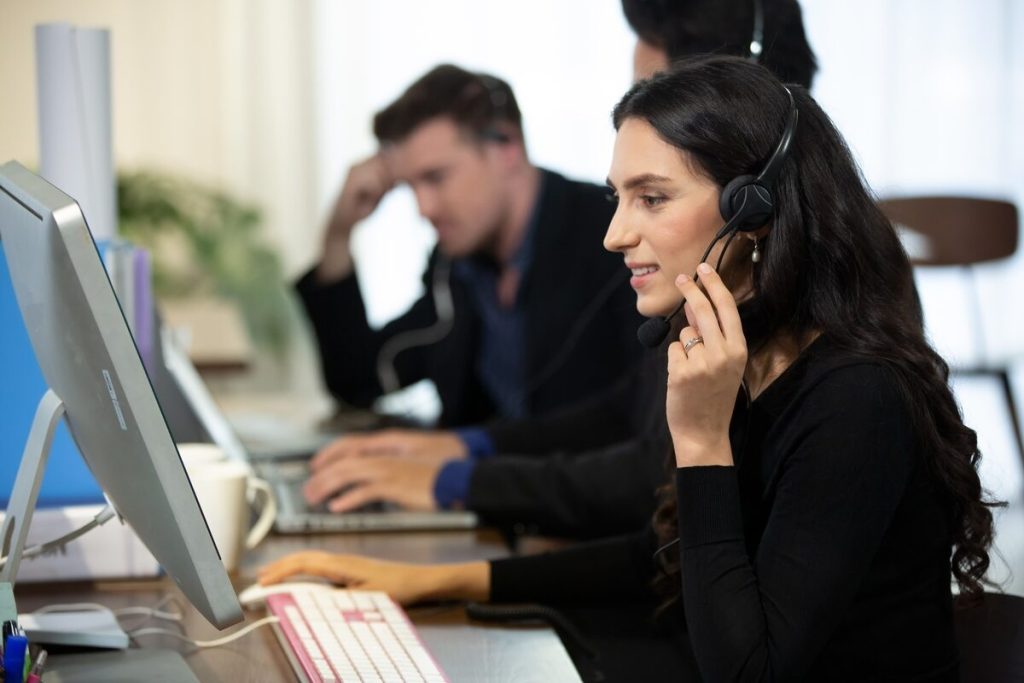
[(755, 256)]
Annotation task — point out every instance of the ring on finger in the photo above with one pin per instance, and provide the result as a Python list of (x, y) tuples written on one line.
[(691, 343)]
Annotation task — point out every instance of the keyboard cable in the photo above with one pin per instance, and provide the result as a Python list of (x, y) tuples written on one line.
[(156, 612)]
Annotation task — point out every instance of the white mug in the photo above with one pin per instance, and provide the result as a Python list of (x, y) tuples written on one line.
[(200, 453), (225, 489)]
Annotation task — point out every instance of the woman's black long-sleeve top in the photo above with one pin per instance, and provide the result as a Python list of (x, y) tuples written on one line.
[(822, 554)]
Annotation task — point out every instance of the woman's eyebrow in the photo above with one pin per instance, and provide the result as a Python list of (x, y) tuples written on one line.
[(642, 179)]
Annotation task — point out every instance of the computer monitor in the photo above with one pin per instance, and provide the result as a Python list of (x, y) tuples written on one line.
[(90, 362)]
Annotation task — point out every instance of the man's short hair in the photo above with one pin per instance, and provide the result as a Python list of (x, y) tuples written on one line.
[(683, 28), (479, 104)]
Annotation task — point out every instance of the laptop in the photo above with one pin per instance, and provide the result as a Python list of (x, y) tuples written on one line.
[(280, 456)]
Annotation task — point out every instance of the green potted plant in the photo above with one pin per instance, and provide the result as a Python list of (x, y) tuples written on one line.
[(205, 243)]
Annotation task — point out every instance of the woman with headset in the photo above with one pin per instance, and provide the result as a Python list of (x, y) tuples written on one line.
[(822, 488)]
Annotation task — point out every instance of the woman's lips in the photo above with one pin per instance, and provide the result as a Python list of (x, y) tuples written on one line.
[(641, 275)]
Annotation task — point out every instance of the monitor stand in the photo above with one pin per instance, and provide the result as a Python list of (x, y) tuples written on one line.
[(22, 504), (110, 667)]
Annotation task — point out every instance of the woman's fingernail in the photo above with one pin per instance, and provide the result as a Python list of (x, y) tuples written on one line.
[(682, 278), (703, 269)]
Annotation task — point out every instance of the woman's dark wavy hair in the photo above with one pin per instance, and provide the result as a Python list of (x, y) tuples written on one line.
[(831, 263)]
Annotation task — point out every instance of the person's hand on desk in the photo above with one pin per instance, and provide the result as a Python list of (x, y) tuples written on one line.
[(427, 445), (405, 583), (407, 481)]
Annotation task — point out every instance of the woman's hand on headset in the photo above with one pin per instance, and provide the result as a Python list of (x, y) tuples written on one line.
[(704, 376)]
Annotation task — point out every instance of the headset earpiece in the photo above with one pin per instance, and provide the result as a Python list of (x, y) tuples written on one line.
[(746, 203), (499, 106)]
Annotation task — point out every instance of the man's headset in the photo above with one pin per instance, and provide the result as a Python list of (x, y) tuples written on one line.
[(746, 204), (498, 97)]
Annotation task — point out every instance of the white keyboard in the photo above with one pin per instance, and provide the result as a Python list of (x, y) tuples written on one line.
[(335, 635)]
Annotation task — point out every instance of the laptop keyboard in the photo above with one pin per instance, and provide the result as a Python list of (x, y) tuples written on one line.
[(294, 515), (340, 635), (288, 478)]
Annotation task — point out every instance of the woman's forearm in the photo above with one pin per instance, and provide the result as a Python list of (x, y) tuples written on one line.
[(463, 581)]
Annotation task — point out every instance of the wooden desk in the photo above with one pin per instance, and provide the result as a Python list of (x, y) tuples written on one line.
[(466, 651)]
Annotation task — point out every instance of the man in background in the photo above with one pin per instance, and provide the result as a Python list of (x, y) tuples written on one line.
[(518, 276)]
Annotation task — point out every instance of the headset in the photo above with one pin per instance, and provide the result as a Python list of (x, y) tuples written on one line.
[(498, 94), (746, 204)]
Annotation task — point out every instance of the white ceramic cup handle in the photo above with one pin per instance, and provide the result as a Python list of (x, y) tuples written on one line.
[(268, 514)]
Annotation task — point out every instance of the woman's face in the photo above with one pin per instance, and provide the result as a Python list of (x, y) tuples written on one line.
[(667, 215)]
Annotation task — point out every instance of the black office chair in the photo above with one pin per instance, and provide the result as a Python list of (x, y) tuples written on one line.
[(990, 635)]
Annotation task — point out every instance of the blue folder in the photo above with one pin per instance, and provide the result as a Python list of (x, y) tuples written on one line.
[(67, 480)]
